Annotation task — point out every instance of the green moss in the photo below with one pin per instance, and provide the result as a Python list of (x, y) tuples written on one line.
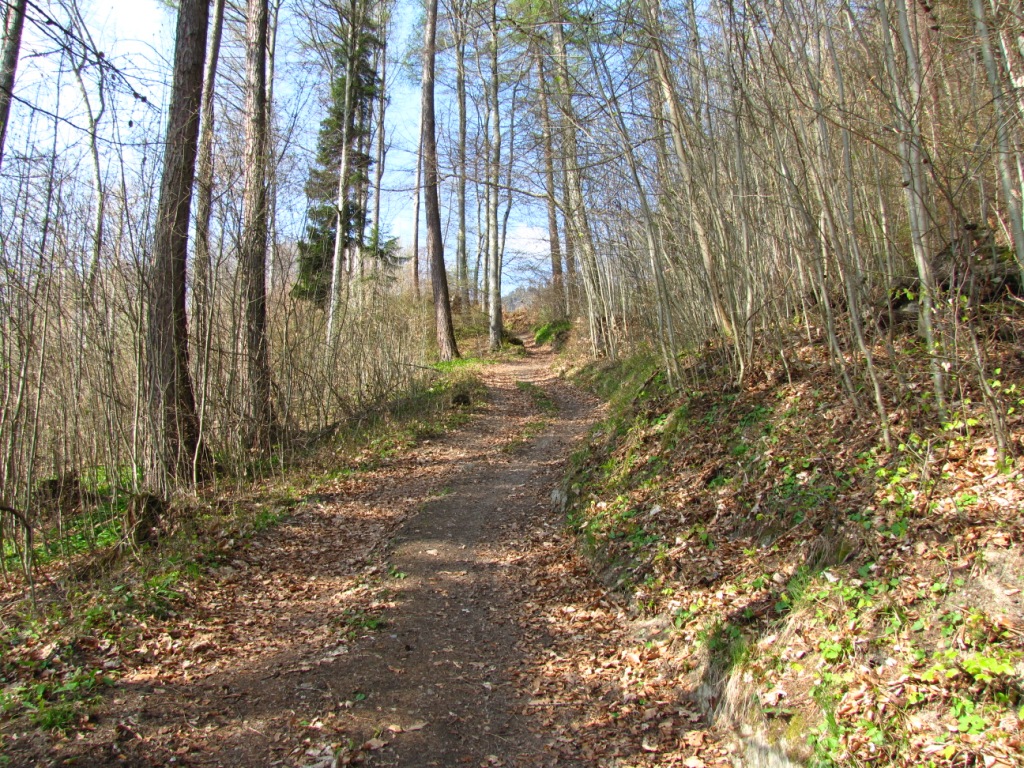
[(553, 330)]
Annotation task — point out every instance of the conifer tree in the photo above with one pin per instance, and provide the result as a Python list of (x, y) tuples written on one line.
[(348, 123)]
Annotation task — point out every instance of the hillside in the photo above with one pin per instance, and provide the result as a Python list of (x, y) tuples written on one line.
[(837, 601), (723, 576)]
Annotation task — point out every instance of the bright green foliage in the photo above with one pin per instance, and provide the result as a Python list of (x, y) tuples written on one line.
[(551, 330)]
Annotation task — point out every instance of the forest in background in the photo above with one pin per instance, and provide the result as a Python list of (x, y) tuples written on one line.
[(721, 175), (194, 295)]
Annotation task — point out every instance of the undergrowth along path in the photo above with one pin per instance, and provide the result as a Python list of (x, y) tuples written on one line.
[(429, 612)]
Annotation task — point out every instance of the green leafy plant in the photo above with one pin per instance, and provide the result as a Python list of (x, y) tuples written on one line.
[(968, 718), (834, 650)]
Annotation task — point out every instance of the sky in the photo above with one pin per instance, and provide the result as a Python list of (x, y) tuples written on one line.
[(138, 37)]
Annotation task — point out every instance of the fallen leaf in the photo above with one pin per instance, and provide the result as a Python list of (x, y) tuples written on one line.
[(694, 739)]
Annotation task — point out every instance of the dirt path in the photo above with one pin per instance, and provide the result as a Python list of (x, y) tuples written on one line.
[(432, 612), (283, 662), (447, 661)]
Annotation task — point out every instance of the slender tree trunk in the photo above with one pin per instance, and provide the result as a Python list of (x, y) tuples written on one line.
[(557, 286), (461, 254), (274, 13), (416, 218), (175, 429), (663, 312), (914, 181), (15, 24), (341, 222), (1011, 191), (577, 222), (447, 348), (253, 256), (202, 288), (676, 122), (494, 319), (852, 283), (382, 102), (97, 177)]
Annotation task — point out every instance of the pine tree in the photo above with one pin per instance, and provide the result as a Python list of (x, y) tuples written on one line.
[(350, 108)]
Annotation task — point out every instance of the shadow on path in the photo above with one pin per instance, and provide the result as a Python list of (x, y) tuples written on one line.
[(431, 548)]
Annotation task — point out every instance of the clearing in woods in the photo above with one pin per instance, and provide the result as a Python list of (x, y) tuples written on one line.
[(433, 612)]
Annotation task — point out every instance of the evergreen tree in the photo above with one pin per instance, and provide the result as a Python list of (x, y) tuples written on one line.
[(315, 250)]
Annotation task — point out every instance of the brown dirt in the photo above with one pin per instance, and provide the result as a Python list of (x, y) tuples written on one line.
[(432, 612)]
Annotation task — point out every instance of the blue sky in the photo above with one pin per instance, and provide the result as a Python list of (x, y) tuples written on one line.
[(138, 36)]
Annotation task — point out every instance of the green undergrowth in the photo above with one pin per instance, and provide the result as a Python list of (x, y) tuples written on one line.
[(865, 599), (553, 331), (98, 595), (428, 411)]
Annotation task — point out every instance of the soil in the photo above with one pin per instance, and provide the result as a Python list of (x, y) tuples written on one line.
[(433, 612)]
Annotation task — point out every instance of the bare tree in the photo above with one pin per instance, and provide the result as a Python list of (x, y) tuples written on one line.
[(252, 260), (447, 347), (176, 453)]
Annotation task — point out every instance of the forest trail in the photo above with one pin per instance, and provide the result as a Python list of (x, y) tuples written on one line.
[(431, 612)]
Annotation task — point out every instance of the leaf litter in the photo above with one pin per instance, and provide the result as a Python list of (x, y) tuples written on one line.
[(288, 648), (368, 628)]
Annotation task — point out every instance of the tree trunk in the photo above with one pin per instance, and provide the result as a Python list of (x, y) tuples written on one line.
[(416, 218), (914, 180), (341, 223), (252, 261), (176, 451), (557, 287), (15, 19), (461, 253), (663, 311), (202, 288), (274, 11), (447, 348), (576, 222), (1003, 154), (494, 324), (382, 103)]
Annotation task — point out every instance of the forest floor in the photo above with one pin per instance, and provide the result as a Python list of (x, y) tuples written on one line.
[(433, 611)]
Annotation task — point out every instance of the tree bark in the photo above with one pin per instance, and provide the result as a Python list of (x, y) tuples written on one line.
[(175, 448), (253, 256), (461, 254), (9, 64), (494, 324), (202, 288), (341, 224), (416, 217), (557, 284), (576, 222), (1011, 192), (447, 348)]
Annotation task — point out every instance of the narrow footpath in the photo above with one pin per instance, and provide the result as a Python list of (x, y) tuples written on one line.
[(433, 613)]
